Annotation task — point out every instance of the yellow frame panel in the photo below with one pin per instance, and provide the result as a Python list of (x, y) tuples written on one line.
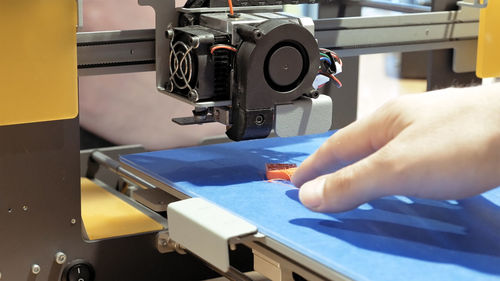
[(105, 215), (488, 47), (38, 67)]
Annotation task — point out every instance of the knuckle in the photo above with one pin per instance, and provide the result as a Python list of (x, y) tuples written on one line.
[(339, 192), (339, 184), (397, 115), (334, 156), (396, 165), (387, 159), (399, 105)]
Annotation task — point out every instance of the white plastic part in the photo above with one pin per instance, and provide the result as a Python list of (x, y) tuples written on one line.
[(338, 68), (205, 229), (304, 116)]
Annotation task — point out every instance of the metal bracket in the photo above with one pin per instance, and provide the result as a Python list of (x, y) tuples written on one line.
[(155, 199), (165, 244), (190, 120), (257, 237), (465, 56), (475, 4), (206, 230), (304, 116)]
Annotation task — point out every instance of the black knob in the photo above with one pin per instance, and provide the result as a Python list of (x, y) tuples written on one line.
[(80, 272)]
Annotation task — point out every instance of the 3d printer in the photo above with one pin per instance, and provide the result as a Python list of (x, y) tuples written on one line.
[(254, 70)]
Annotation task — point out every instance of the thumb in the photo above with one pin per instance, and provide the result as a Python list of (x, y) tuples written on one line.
[(350, 186)]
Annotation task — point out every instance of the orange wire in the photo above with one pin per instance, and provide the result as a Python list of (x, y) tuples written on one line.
[(231, 11), (217, 47), (339, 84)]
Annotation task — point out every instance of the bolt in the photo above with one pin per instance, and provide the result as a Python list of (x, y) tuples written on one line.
[(9, 210), (169, 33), (25, 208), (163, 243), (60, 258), (132, 51), (313, 94), (73, 221), (35, 269)]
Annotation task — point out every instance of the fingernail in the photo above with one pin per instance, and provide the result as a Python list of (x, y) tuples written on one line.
[(311, 193)]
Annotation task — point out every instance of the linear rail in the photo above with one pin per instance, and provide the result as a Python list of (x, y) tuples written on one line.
[(134, 50)]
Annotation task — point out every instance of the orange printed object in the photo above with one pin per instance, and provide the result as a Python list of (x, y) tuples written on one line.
[(280, 171)]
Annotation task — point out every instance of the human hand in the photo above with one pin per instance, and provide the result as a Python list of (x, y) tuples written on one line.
[(438, 145)]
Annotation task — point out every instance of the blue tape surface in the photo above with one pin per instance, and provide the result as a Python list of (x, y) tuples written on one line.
[(392, 238)]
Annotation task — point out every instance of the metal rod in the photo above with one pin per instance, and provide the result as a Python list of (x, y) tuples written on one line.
[(398, 7), (353, 52), (115, 167), (114, 36)]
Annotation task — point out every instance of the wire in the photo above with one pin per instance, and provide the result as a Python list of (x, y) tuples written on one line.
[(331, 76), (339, 84), (333, 54), (222, 46), (326, 59), (231, 11), (324, 55)]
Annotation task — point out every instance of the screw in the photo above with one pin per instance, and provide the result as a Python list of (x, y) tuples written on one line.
[(194, 42), (313, 94), (259, 120), (25, 208), (73, 221), (35, 269), (193, 95), (60, 258), (187, 19), (132, 51), (257, 34)]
